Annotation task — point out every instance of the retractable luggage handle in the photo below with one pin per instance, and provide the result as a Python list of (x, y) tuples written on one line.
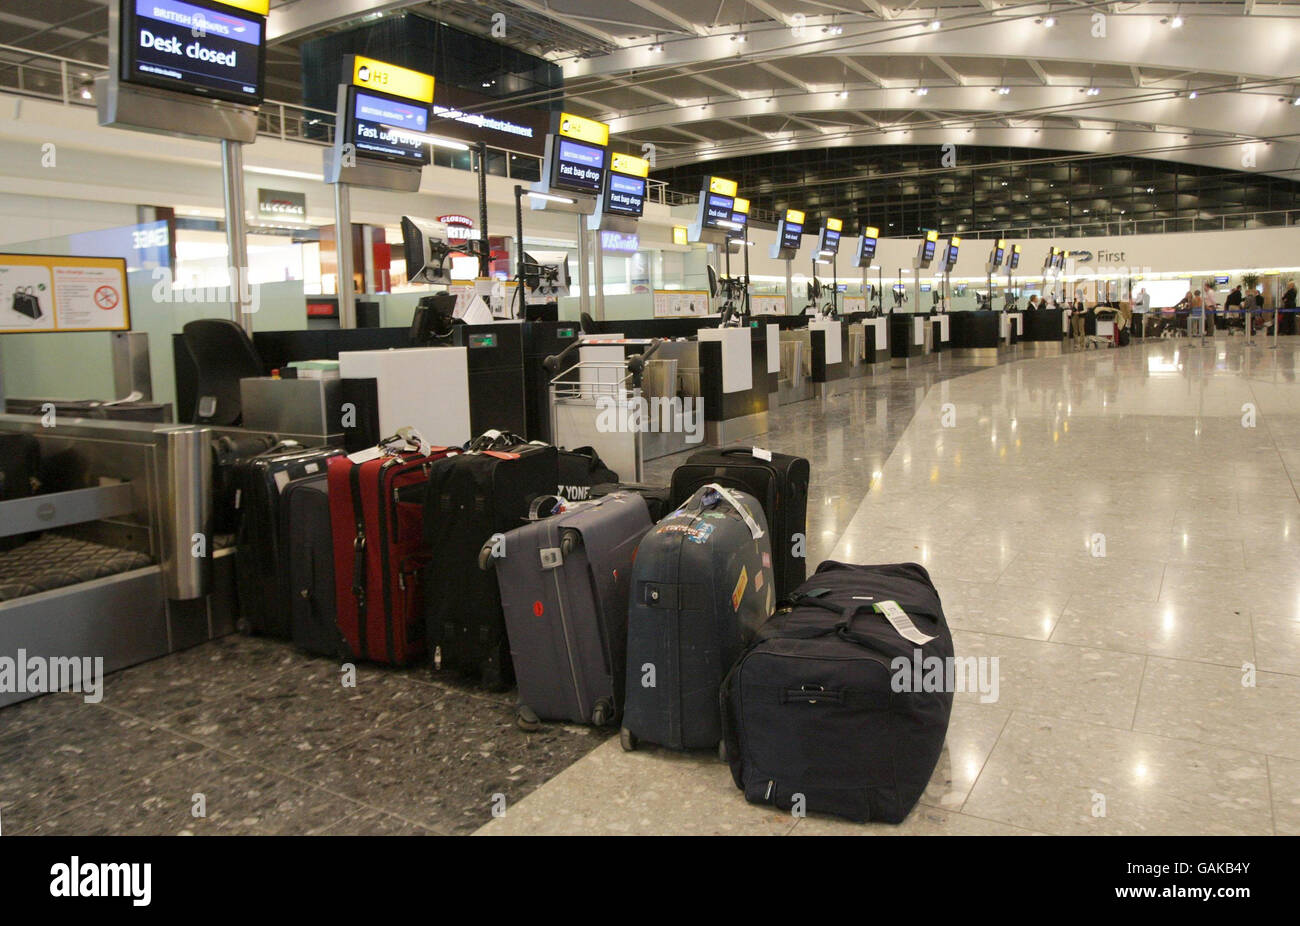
[(754, 529)]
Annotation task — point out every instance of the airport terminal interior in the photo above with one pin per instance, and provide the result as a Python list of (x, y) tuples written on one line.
[(437, 417)]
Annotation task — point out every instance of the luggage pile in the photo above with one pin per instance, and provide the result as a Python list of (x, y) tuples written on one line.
[(680, 613)]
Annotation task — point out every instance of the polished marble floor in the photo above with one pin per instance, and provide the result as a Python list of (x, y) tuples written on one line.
[(1121, 530), (1121, 677)]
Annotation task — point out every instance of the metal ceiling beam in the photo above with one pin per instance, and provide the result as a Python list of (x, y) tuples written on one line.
[(948, 69), (785, 76), (860, 70), (303, 17), (667, 15), (716, 84)]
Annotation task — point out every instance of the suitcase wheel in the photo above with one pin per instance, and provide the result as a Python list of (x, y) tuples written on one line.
[(627, 739), (526, 719), (602, 713), (570, 540), (485, 556)]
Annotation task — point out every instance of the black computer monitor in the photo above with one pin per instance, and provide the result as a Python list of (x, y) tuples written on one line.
[(433, 319), (428, 257)]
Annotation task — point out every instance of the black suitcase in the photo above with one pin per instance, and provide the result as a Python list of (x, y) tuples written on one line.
[(656, 497), (579, 470), (826, 703), (702, 585), (20, 466), (470, 497), (564, 584), (228, 452), (310, 551), (261, 560), (781, 486)]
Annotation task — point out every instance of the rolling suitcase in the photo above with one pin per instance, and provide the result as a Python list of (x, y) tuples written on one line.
[(379, 550), (656, 497), (310, 549), (228, 452), (564, 581), (778, 481), (262, 555), (830, 703), (702, 585), (20, 466), (471, 497)]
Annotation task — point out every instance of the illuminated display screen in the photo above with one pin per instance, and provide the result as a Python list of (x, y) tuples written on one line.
[(197, 48), (626, 195), (578, 167), (378, 127), (928, 252)]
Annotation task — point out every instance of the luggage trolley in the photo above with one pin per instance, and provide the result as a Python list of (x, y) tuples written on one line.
[(599, 402)]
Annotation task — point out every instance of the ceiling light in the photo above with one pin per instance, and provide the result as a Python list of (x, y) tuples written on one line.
[(1176, 22), (1002, 91), (1296, 101), (1192, 95), (657, 47), (1049, 22), (922, 91), (738, 37), (843, 94), (85, 93), (935, 24)]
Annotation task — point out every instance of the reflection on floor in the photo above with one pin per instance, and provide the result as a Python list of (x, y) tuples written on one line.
[(1120, 530), (1120, 676)]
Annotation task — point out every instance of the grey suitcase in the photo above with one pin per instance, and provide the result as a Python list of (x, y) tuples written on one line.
[(310, 552), (702, 586), (564, 584)]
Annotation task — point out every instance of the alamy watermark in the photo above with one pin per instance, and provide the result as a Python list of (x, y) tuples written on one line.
[(24, 674), (636, 413), (956, 674)]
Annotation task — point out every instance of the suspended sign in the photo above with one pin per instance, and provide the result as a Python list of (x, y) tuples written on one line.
[(200, 47)]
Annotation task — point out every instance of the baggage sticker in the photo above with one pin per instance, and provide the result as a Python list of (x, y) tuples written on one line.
[(767, 560), (281, 480), (901, 622), (538, 609), (758, 581), (739, 591)]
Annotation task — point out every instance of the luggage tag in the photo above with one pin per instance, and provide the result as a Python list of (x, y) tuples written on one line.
[(761, 454), (901, 622), (755, 530)]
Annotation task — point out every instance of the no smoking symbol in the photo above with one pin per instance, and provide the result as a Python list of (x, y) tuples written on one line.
[(106, 298)]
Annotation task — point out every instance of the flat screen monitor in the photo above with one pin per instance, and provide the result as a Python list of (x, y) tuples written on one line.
[(625, 195), (577, 167), (194, 47), (950, 256), (1014, 261), (925, 287), (378, 125), (928, 244), (996, 260), (790, 233), (1059, 262), (866, 250), (428, 259), (718, 211), (829, 241), (1050, 262)]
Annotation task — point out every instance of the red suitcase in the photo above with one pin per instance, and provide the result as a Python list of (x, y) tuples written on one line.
[(378, 549)]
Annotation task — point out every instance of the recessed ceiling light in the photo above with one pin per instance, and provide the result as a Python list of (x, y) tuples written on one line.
[(1176, 22), (922, 91), (738, 37), (657, 47), (935, 24), (1192, 95)]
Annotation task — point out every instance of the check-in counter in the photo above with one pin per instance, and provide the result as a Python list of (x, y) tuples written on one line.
[(1044, 330), (875, 348), (829, 370), (1012, 327), (793, 382), (907, 333), (940, 333), (977, 333), (733, 384), (767, 357)]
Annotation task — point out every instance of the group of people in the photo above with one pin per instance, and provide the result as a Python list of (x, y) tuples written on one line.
[(1204, 314)]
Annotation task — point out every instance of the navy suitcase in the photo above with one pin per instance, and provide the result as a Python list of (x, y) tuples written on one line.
[(310, 552), (702, 585)]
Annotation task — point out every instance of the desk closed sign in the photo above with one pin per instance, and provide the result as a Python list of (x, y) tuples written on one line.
[(281, 204)]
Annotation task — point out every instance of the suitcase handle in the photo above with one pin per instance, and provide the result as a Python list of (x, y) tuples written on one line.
[(754, 529), (535, 509)]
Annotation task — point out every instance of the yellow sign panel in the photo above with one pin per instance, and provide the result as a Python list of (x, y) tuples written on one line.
[(44, 293), (679, 234), (260, 7), (871, 232), (722, 187), (630, 165), (835, 225), (580, 129), (1016, 248), (390, 78), (741, 205), (932, 235), (954, 241), (1002, 243), (794, 216)]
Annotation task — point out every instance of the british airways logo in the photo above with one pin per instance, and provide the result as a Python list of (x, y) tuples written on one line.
[(1081, 257)]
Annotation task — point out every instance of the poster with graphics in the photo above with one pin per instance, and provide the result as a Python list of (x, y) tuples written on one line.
[(43, 293), (670, 303)]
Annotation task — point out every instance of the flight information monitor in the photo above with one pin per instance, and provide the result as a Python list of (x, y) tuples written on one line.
[(999, 252), (1014, 260), (200, 47), (719, 205), (790, 230), (925, 250), (626, 185), (379, 125), (867, 246), (828, 240), (578, 167), (1050, 262), (950, 253)]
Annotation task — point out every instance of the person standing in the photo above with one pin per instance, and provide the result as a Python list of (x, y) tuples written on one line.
[(1232, 305), (1287, 321)]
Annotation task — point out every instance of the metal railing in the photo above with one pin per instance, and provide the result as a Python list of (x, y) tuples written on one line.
[(1276, 218)]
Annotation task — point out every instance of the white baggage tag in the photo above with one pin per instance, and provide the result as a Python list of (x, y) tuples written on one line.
[(901, 622), (365, 456), (761, 454)]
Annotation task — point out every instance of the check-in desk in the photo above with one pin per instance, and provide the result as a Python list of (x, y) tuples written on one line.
[(1044, 330), (767, 357), (1011, 328), (875, 347), (793, 382), (940, 333), (734, 384), (831, 362), (907, 336), (977, 333)]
